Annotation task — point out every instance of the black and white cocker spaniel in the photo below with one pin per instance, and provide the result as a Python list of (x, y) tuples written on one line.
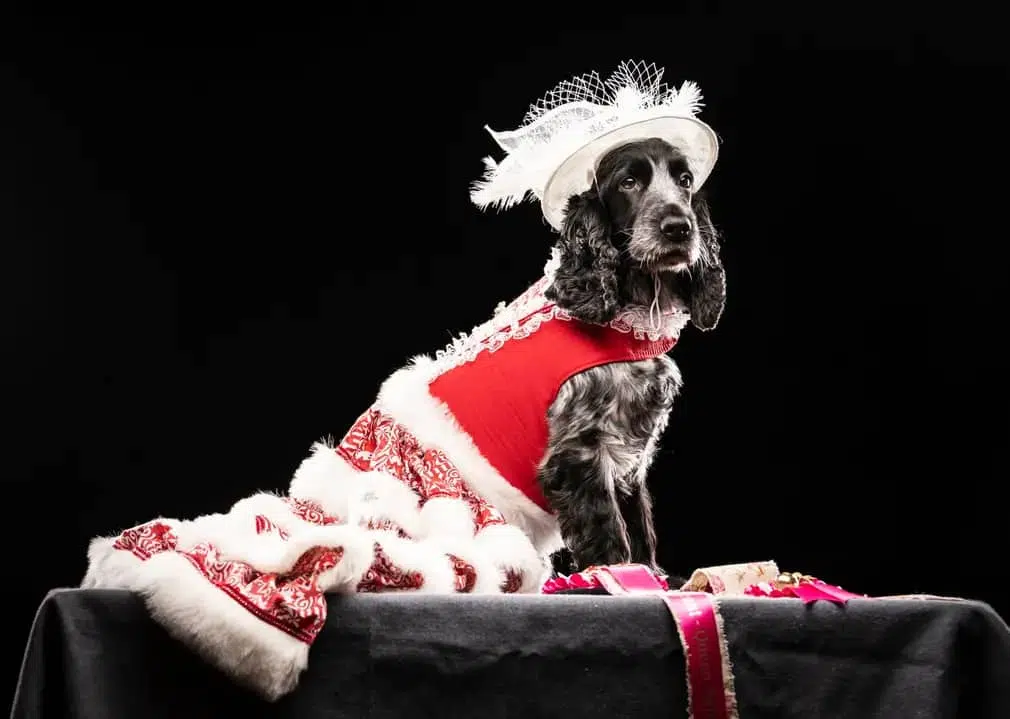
[(640, 233)]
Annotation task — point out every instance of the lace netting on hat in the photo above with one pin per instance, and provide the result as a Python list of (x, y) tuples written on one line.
[(573, 113)]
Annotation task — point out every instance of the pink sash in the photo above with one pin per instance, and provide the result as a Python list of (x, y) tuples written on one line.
[(710, 692)]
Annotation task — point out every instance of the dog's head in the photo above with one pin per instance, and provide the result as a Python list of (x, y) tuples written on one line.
[(642, 218)]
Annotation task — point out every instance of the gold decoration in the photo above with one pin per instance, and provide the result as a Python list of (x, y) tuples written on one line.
[(791, 579)]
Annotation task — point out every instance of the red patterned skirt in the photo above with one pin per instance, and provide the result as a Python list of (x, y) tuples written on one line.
[(379, 512)]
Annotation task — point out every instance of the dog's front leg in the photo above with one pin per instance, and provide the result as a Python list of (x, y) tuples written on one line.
[(636, 508), (574, 480), (603, 428), (636, 501)]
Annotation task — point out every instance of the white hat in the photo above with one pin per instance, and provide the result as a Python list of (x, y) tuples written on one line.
[(553, 154)]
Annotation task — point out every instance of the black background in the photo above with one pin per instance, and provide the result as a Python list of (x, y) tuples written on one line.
[(217, 242)]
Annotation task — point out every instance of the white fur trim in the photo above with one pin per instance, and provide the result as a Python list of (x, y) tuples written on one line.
[(405, 397), (354, 496), (509, 548), (376, 496), (322, 477), (256, 654), (446, 516), (448, 523)]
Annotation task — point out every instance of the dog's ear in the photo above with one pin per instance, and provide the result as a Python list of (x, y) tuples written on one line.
[(585, 282), (708, 278)]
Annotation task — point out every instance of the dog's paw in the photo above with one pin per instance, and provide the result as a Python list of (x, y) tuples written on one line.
[(562, 562)]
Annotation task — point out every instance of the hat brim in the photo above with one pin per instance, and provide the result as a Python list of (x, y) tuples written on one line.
[(693, 137)]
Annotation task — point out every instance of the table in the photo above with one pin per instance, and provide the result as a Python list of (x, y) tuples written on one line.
[(97, 653)]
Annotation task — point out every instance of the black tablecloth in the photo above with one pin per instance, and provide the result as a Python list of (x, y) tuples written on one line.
[(98, 654)]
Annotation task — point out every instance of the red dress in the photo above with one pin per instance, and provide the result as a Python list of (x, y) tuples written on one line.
[(433, 489), (501, 397)]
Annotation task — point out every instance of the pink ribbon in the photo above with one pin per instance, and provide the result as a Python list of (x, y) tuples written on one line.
[(809, 590), (710, 693)]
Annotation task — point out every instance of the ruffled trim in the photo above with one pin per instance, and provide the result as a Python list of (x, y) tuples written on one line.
[(526, 314)]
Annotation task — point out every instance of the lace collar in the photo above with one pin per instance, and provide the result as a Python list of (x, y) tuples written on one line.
[(527, 313)]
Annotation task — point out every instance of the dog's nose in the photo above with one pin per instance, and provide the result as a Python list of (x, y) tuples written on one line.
[(675, 227)]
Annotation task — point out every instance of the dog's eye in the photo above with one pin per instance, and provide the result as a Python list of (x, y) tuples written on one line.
[(629, 183), (685, 180)]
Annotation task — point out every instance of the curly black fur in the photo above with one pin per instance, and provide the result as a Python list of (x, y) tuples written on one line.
[(640, 221), (705, 288), (585, 284)]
